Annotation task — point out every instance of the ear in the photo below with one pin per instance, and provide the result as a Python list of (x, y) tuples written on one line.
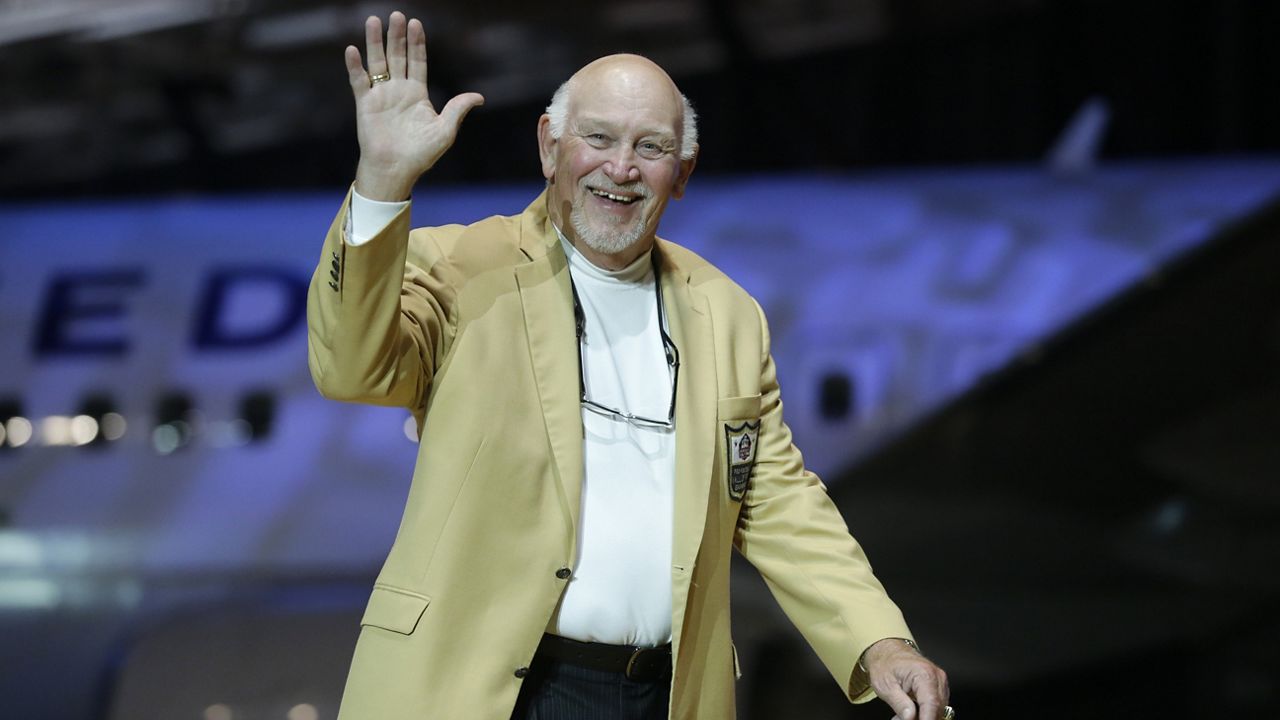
[(686, 169), (548, 147)]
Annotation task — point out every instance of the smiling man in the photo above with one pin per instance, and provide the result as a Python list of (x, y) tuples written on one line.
[(600, 427), (615, 148)]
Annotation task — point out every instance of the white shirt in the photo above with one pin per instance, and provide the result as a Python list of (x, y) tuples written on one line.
[(620, 591)]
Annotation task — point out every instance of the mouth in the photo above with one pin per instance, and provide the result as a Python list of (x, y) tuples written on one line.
[(619, 198)]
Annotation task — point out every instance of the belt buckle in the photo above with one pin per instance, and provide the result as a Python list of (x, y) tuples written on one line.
[(631, 663)]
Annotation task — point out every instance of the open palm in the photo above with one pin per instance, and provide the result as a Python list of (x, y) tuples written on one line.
[(400, 132)]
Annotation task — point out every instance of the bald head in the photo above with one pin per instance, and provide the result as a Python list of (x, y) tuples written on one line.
[(631, 78), (617, 142)]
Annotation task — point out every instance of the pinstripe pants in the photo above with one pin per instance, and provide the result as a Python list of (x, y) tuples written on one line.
[(559, 691)]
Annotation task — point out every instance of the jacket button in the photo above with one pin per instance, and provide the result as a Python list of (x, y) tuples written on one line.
[(564, 573), (521, 672)]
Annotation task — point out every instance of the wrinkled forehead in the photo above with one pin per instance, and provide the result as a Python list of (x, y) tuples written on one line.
[(626, 93)]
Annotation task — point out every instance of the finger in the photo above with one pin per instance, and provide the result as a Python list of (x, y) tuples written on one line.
[(901, 703), (374, 50), (925, 691), (456, 109), (395, 45), (356, 75), (417, 51)]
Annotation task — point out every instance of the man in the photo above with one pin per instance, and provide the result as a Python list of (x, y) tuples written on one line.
[(600, 424)]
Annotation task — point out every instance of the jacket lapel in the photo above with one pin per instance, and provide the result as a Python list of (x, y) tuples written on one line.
[(690, 320), (547, 302)]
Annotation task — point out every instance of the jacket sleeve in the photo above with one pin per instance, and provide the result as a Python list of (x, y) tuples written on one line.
[(379, 315), (794, 535)]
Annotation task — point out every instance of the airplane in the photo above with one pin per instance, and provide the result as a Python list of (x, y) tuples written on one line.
[(187, 529)]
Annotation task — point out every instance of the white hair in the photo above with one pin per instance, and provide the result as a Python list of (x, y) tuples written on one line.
[(558, 112)]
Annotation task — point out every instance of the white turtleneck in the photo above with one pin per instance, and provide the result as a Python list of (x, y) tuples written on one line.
[(620, 591)]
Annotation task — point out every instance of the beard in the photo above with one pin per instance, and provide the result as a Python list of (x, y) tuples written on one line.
[(608, 236)]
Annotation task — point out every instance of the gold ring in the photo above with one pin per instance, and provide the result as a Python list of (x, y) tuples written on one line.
[(948, 713), (380, 77)]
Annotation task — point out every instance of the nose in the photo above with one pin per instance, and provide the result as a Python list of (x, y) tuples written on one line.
[(621, 166)]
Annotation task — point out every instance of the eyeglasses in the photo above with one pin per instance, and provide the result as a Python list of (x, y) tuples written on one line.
[(668, 348)]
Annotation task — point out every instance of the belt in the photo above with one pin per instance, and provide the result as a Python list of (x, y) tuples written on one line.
[(635, 663)]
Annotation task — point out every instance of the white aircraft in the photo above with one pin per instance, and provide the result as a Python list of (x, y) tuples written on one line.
[(162, 446)]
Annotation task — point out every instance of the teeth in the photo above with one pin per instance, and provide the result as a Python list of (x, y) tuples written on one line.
[(615, 198)]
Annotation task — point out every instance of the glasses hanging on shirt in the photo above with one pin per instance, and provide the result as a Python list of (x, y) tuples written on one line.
[(668, 349)]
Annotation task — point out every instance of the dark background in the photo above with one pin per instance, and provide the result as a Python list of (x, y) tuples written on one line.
[(252, 95)]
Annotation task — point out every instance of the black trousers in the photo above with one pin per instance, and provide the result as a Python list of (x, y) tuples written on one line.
[(559, 691)]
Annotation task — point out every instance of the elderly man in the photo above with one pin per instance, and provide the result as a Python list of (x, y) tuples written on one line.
[(600, 424)]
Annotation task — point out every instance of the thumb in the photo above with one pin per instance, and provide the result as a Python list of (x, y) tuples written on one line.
[(456, 109)]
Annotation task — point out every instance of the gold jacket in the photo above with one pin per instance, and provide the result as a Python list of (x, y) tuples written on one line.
[(472, 329)]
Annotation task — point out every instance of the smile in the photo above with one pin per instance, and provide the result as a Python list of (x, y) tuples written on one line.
[(623, 199)]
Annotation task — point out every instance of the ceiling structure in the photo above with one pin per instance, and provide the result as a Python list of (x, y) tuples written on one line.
[(143, 96)]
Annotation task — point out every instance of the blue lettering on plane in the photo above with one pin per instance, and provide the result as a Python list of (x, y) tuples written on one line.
[(83, 311)]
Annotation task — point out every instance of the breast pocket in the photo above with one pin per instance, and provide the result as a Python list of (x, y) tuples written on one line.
[(746, 407), (739, 420)]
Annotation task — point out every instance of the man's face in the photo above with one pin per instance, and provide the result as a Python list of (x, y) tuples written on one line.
[(618, 161)]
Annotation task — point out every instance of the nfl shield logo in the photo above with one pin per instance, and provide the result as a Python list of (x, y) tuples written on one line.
[(740, 450)]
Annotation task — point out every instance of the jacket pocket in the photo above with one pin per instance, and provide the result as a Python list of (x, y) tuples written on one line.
[(738, 408), (394, 609)]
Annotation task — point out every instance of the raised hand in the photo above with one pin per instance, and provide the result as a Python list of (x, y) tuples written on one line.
[(401, 135)]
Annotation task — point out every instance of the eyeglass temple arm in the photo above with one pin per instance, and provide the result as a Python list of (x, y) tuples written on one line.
[(579, 325)]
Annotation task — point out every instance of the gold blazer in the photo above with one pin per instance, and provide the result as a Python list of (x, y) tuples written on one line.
[(472, 329)]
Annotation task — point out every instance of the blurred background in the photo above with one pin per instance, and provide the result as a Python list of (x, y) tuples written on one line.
[(1021, 260)]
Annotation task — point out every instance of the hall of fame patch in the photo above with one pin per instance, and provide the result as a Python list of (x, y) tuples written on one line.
[(740, 448)]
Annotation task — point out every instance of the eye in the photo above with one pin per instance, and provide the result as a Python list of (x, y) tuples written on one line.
[(650, 149), (596, 139)]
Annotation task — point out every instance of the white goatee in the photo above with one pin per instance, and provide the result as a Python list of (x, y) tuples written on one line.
[(609, 240)]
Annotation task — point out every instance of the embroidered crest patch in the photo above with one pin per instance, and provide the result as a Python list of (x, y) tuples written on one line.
[(740, 449)]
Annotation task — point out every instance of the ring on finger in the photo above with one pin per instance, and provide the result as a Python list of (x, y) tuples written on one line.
[(948, 713), (380, 77)]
